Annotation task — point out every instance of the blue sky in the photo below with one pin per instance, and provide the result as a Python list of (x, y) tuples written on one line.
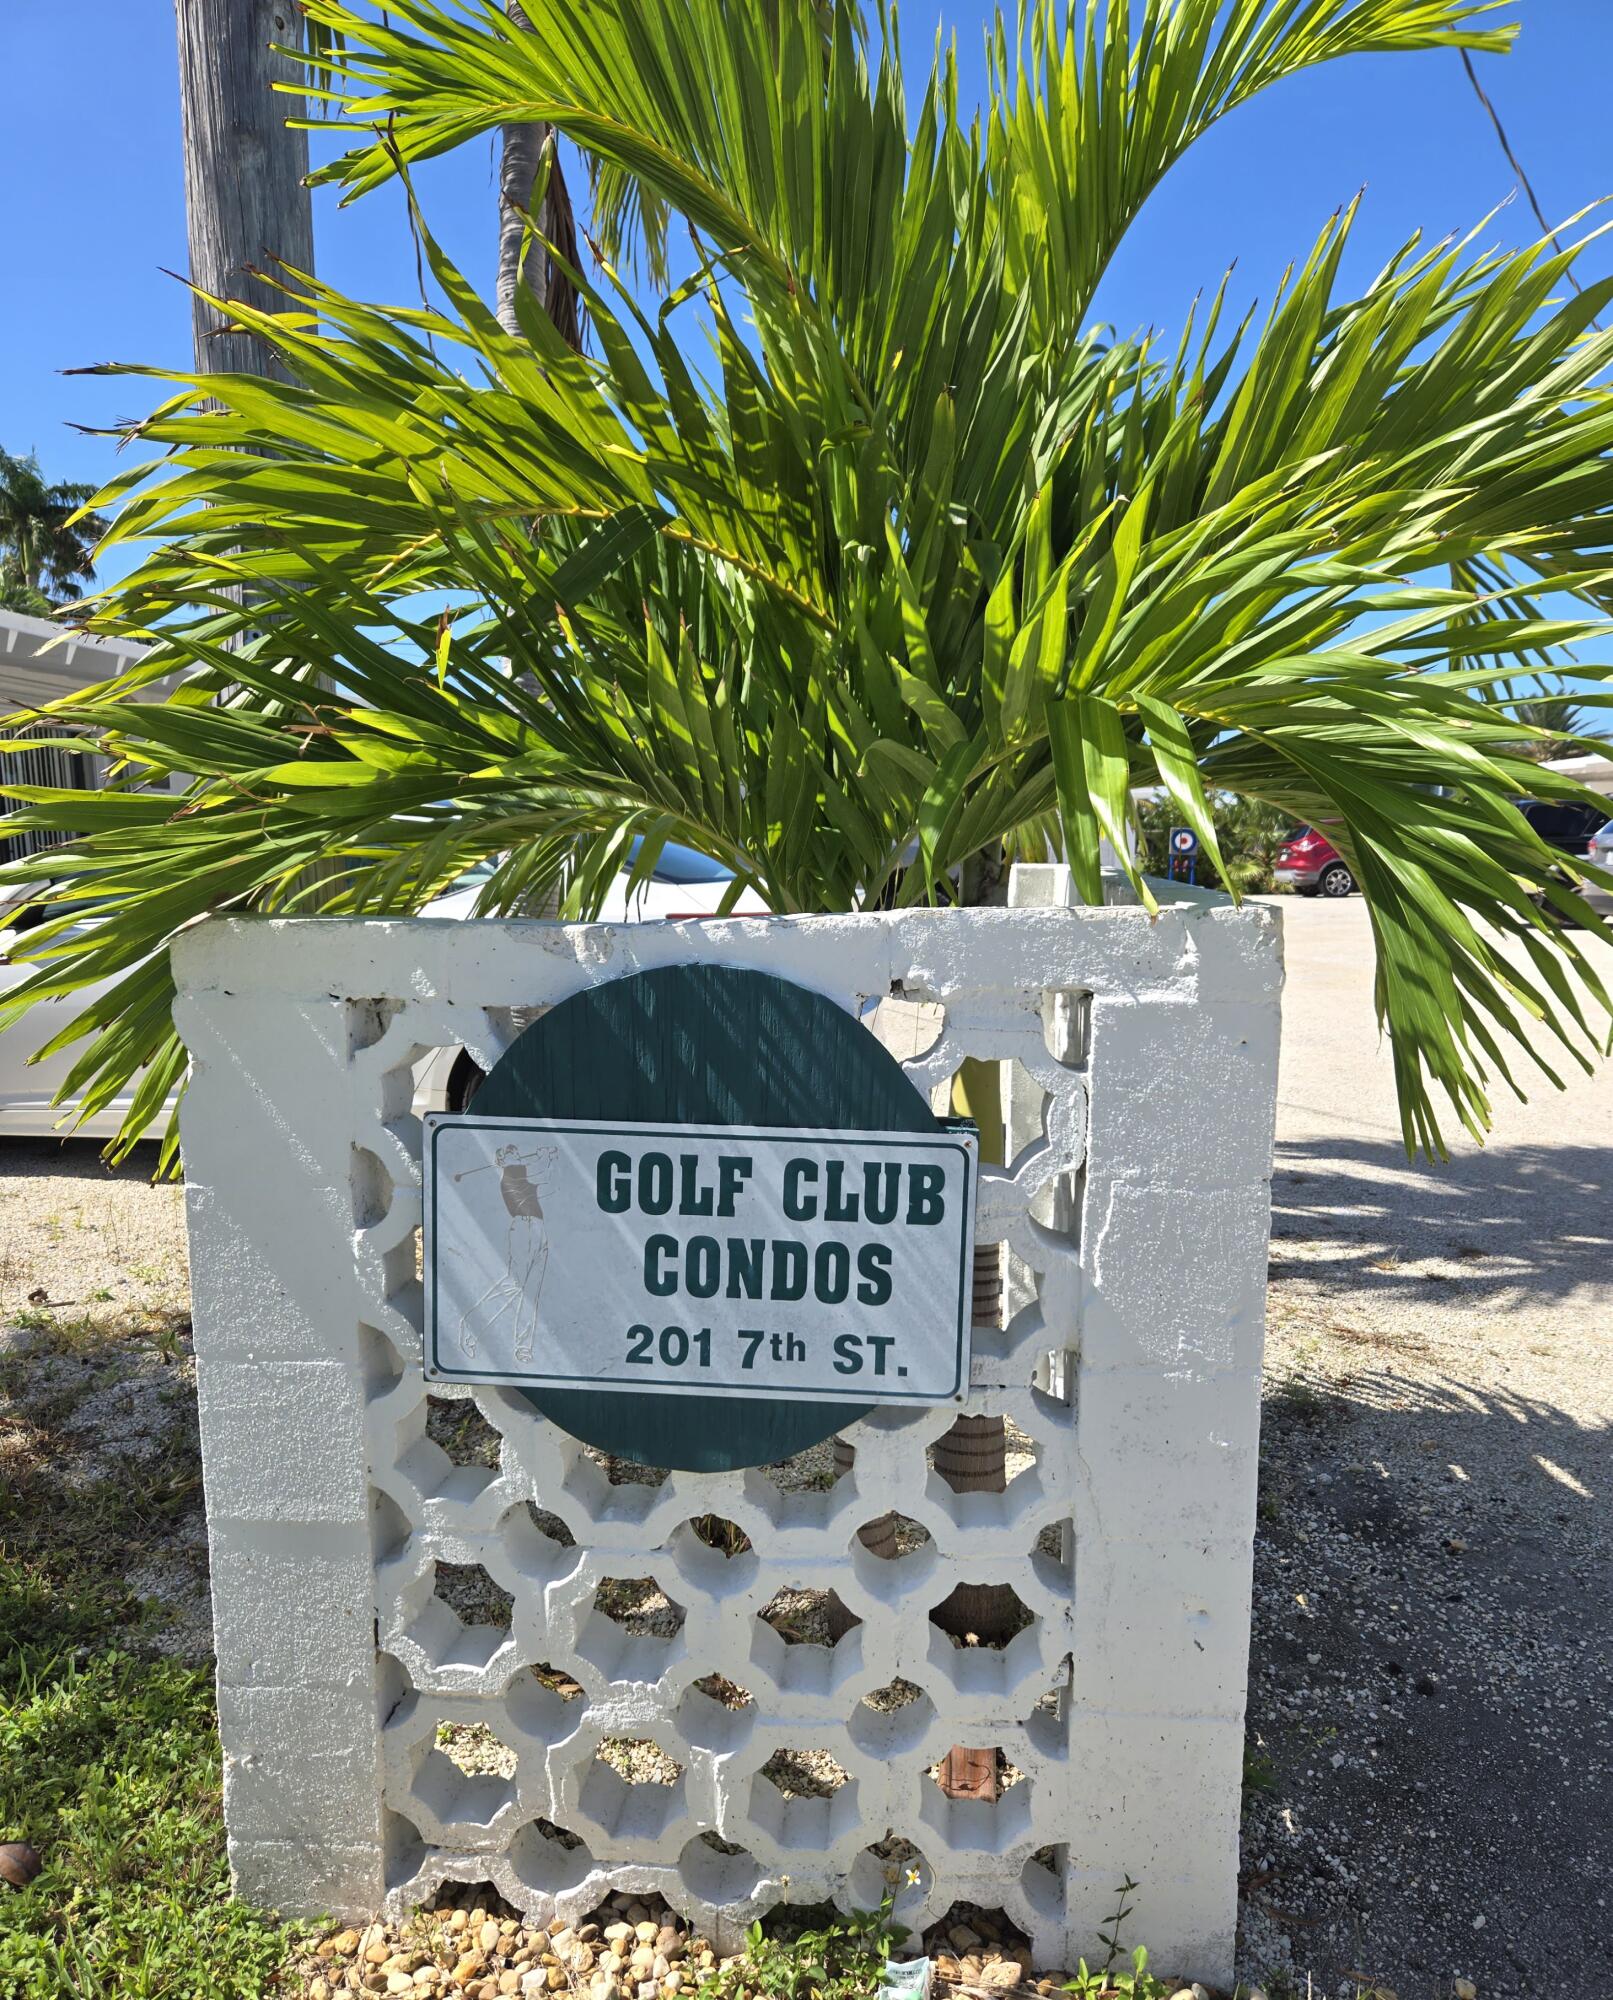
[(90, 156)]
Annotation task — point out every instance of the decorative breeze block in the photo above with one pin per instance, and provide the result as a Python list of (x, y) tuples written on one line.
[(643, 1664)]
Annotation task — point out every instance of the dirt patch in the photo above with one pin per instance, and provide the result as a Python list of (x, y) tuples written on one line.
[(99, 1450), (84, 1244)]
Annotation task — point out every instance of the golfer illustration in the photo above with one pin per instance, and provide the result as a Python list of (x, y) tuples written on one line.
[(513, 1294)]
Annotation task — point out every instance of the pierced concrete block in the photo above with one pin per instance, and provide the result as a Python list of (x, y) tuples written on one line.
[(701, 1686), (1174, 1282), (299, 1764), (314, 1878)]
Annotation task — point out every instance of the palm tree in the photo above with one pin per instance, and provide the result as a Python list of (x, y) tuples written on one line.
[(927, 572), (47, 539), (528, 167), (1558, 722)]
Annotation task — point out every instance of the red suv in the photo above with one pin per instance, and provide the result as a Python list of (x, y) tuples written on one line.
[(1312, 865)]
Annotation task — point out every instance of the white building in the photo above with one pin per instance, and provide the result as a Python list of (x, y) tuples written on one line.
[(40, 662), (1596, 772)]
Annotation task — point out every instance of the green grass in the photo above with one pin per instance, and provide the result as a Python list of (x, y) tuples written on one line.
[(109, 1765), (109, 1759)]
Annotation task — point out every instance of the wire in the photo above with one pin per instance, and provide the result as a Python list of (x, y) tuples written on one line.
[(1515, 163)]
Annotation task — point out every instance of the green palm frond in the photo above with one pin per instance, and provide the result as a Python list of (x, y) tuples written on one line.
[(915, 568), (1092, 104)]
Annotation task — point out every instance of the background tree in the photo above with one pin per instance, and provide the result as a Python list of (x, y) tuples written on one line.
[(1248, 835), (1550, 717), (47, 538)]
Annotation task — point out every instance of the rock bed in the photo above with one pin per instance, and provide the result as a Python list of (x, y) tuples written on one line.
[(975, 1951), (632, 1948), (484, 1951)]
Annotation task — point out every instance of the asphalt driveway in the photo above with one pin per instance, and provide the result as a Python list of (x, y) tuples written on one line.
[(1431, 1711)]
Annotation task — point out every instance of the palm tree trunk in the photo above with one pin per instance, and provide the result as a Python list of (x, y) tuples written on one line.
[(248, 211), (524, 260), (973, 1455), (972, 1458)]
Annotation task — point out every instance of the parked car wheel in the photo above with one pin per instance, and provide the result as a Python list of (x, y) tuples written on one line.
[(1336, 881)]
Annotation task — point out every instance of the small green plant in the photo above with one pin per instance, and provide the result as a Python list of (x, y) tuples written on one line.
[(109, 1765), (1368, 1987), (1137, 1984), (721, 1535), (109, 1755), (843, 1959), (1259, 1772)]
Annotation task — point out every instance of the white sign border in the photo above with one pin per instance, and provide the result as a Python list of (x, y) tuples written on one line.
[(964, 1139)]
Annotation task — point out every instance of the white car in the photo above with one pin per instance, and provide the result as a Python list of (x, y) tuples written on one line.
[(683, 884)]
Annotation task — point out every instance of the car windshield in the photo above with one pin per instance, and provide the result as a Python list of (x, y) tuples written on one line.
[(681, 865), (473, 878), (17, 914), (676, 866), (1560, 818)]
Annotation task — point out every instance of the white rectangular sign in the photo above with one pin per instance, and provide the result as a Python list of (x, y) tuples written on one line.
[(699, 1259)]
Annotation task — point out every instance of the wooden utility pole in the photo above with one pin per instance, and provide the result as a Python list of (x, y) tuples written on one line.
[(246, 200)]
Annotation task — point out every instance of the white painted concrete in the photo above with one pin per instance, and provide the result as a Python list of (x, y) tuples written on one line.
[(1137, 1229)]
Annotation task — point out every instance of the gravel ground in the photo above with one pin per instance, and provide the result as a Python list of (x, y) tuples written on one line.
[(1431, 1701), (1431, 1796), (89, 1245)]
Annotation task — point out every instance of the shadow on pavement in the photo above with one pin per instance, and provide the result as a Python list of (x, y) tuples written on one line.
[(1511, 1223), (74, 1159), (1431, 1697)]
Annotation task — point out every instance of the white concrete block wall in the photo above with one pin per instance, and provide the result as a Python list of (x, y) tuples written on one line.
[(282, 1394), (1131, 1359)]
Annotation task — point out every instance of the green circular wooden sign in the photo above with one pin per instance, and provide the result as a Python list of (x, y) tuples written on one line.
[(701, 1045)]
